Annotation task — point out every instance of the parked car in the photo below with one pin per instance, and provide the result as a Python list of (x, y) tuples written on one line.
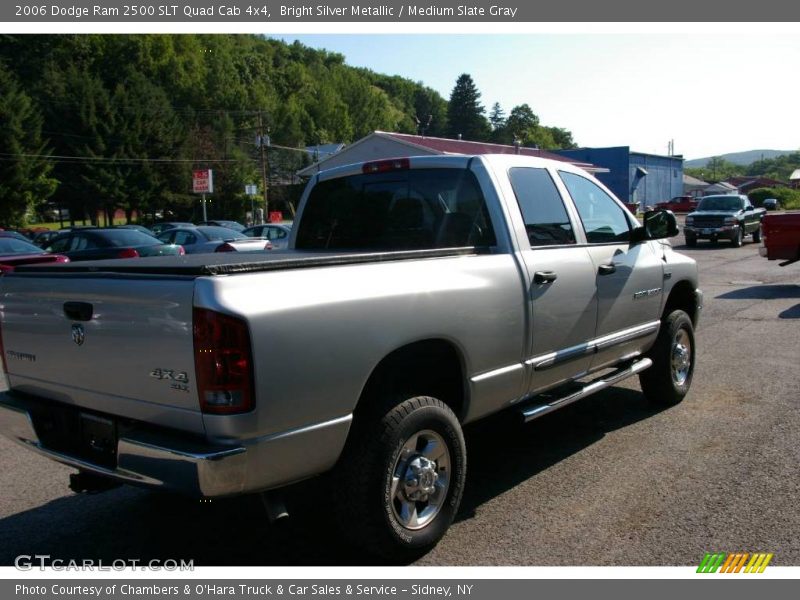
[(112, 242), (162, 226), (236, 226), (275, 233), (206, 238), (15, 252), (771, 204), (679, 204), (724, 216)]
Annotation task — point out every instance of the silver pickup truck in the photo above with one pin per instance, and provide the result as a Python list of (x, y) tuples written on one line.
[(417, 295)]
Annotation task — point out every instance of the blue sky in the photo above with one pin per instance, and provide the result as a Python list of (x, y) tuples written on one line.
[(711, 93)]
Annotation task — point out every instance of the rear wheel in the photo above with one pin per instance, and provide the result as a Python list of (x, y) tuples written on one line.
[(757, 235), (667, 382), (401, 477), (691, 240)]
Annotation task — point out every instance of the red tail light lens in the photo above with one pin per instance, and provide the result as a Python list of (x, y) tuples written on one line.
[(381, 166), (226, 247), (223, 363), (128, 253)]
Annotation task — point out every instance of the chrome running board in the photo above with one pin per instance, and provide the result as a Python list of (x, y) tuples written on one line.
[(590, 388)]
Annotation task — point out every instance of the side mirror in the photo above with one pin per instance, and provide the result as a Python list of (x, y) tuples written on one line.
[(658, 225)]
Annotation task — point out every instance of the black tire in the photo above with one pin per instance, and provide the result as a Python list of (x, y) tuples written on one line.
[(738, 239), (667, 382), (757, 235), (691, 241), (377, 453)]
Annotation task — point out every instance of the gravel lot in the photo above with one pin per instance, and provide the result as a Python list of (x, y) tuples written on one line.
[(608, 481)]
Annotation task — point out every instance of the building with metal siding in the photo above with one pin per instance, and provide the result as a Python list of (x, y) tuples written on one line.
[(634, 176)]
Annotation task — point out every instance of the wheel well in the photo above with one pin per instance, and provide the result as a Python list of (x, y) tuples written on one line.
[(425, 368), (682, 297)]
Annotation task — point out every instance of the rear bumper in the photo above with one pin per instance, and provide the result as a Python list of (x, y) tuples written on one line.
[(170, 461)]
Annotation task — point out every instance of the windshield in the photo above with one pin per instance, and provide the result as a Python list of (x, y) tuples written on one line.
[(410, 209), (720, 203), (9, 245)]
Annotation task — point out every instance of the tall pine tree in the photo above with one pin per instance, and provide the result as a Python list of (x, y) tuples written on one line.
[(465, 114)]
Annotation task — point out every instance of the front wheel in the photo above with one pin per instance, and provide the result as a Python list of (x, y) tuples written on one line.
[(402, 477), (738, 238), (667, 382)]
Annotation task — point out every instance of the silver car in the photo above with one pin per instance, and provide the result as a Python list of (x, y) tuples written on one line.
[(206, 238), (276, 233)]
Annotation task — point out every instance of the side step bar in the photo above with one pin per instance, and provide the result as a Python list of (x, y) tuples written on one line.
[(595, 386)]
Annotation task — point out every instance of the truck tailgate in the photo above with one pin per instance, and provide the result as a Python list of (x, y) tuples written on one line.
[(102, 343)]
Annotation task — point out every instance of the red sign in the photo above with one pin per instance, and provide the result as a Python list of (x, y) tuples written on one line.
[(203, 181)]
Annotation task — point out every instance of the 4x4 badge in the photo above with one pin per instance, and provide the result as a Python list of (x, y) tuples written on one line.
[(78, 334)]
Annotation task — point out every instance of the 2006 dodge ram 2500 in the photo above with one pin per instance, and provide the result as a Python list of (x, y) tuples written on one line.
[(417, 295)]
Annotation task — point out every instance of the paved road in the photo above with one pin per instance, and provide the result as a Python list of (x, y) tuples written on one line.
[(608, 481)]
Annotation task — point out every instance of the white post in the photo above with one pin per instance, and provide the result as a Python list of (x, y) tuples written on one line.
[(205, 216)]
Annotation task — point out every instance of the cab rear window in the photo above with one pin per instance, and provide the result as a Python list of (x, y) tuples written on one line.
[(413, 209)]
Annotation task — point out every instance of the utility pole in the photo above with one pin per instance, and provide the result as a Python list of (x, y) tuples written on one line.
[(262, 138)]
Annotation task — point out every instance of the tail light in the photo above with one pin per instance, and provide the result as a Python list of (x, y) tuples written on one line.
[(128, 253), (226, 247), (6, 269), (381, 166), (223, 363)]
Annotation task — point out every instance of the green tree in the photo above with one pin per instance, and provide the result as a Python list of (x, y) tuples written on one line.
[(465, 114), (24, 173)]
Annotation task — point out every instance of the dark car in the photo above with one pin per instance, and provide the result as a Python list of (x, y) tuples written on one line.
[(771, 204), (7, 233), (43, 238), (276, 233), (139, 228), (220, 223), (205, 238), (100, 243), (14, 252)]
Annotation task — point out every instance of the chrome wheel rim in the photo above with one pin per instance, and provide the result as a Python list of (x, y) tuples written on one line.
[(420, 479), (681, 357)]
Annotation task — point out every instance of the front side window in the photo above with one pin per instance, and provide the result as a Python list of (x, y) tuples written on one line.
[(543, 211), (409, 209), (603, 219)]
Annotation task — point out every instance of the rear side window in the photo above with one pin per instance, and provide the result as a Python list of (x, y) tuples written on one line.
[(603, 219), (542, 208), (413, 209)]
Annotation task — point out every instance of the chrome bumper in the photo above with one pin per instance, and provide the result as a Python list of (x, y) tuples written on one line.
[(198, 468)]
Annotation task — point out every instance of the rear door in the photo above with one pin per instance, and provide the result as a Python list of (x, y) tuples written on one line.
[(629, 278), (561, 282)]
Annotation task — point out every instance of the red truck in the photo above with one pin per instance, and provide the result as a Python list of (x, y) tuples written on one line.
[(780, 238), (679, 204)]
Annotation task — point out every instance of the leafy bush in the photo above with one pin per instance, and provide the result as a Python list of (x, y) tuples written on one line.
[(788, 197)]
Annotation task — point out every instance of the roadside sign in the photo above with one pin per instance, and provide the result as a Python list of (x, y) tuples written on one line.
[(251, 189), (203, 181)]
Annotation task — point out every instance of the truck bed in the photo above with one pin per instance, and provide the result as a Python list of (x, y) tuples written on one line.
[(225, 263)]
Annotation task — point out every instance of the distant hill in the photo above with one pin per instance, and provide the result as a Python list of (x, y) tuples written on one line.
[(738, 158)]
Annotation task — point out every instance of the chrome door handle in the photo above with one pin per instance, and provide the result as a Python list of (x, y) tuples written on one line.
[(607, 269), (544, 277)]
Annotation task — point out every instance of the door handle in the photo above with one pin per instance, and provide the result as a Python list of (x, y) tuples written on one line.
[(607, 269), (544, 277)]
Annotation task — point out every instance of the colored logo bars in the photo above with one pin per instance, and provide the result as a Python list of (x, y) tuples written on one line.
[(734, 562)]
